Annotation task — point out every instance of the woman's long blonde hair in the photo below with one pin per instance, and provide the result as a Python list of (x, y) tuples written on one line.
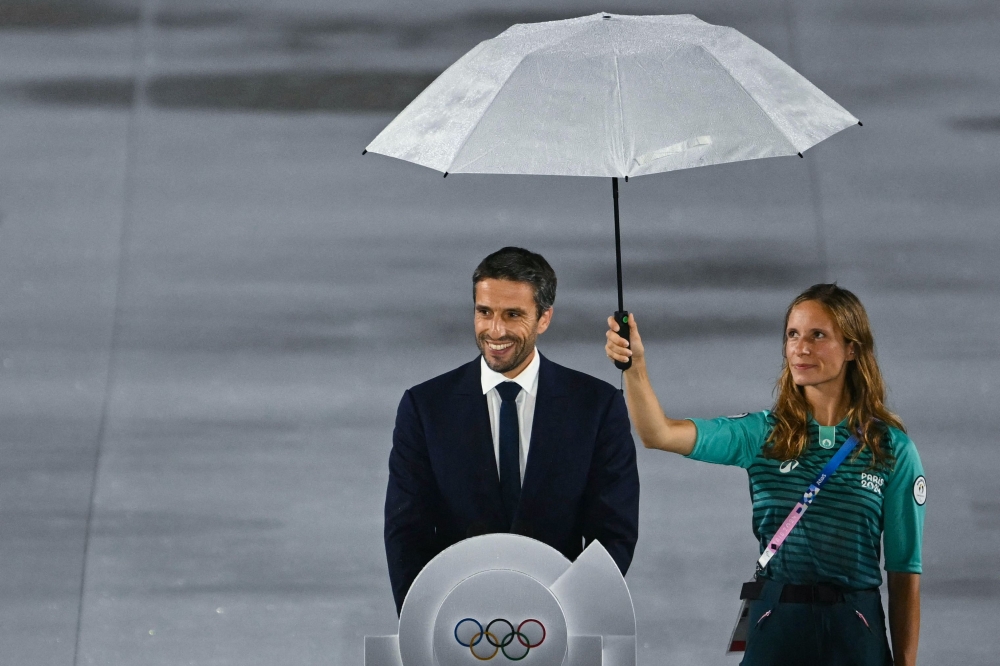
[(867, 413)]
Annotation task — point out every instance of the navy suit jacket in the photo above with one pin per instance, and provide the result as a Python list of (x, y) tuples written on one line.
[(580, 481)]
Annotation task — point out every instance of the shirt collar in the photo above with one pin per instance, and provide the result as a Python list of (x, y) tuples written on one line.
[(528, 379), (842, 424)]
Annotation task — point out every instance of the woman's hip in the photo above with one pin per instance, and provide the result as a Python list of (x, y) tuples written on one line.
[(820, 625)]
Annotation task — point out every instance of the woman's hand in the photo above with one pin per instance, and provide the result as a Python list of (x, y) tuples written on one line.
[(654, 429), (619, 349)]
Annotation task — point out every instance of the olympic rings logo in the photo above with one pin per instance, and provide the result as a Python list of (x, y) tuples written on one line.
[(505, 644)]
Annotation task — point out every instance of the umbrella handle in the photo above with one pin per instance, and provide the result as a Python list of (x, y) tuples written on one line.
[(621, 318), (621, 315)]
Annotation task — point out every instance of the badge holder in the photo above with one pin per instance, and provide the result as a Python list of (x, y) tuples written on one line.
[(738, 639)]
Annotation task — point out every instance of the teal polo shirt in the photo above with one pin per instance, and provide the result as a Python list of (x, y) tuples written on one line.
[(839, 539)]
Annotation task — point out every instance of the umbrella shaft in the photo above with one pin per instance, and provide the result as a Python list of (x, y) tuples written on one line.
[(618, 245)]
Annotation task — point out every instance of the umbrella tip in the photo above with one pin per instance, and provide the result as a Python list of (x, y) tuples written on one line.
[(364, 152), (626, 179), (445, 174), (861, 123), (801, 155)]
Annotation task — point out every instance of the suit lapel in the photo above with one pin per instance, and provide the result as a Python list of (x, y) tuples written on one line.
[(479, 449), (545, 428)]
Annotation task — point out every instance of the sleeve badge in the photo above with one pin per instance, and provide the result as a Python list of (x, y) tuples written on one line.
[(920, 490)]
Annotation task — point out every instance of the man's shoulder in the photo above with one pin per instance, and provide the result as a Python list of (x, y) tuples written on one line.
[(465, 376), (573, 382)]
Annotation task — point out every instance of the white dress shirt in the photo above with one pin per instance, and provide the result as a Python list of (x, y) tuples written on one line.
[(528, 380)]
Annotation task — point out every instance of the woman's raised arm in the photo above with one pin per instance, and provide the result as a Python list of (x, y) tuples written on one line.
[(655, 429)]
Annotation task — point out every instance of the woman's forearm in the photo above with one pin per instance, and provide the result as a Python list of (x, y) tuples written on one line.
[(655, 430), (653, 427), (904, 617)]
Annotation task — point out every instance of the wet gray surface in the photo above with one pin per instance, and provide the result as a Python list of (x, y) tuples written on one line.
[(210, 304)]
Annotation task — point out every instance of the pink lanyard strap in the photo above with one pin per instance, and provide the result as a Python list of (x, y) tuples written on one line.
[(807, 498)]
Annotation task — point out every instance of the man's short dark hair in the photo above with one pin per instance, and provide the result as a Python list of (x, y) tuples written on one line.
[(520, 265)]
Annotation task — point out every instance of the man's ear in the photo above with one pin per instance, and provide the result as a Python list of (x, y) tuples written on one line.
[(544, 321)]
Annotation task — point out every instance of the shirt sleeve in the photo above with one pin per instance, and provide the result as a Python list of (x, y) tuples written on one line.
[(903, 517), (730, 440)]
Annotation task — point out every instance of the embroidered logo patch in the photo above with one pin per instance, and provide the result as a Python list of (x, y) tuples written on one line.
[(788, 466), (872, 482), (920, 490)]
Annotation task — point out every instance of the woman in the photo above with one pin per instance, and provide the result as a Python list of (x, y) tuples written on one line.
[(819, 603)]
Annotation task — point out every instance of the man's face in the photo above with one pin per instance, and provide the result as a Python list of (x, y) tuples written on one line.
[(507, 324)]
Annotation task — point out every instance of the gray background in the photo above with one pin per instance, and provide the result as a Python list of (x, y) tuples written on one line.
[(210, 304)]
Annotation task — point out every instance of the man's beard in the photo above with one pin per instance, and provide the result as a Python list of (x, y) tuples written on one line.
[(522, 350)]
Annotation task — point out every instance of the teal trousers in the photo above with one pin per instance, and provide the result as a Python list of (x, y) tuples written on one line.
[(848, 633)]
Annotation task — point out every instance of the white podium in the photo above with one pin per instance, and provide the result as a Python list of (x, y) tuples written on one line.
[(506, 598)]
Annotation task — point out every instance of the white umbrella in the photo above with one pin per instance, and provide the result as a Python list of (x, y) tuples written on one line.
[(613, 96)]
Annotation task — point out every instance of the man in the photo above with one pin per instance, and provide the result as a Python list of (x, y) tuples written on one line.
[(510, 442)]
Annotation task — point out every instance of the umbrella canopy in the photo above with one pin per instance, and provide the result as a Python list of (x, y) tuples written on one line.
[(609, 95)]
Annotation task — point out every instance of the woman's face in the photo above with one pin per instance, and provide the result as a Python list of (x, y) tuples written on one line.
[(815, 349)]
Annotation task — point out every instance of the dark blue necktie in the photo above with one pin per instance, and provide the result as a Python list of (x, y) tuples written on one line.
[(510, 463)]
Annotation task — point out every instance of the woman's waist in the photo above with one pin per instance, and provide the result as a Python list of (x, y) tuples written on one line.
[(808, 593)]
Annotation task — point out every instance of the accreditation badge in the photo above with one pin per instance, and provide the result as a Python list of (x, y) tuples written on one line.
[(738, 639)]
